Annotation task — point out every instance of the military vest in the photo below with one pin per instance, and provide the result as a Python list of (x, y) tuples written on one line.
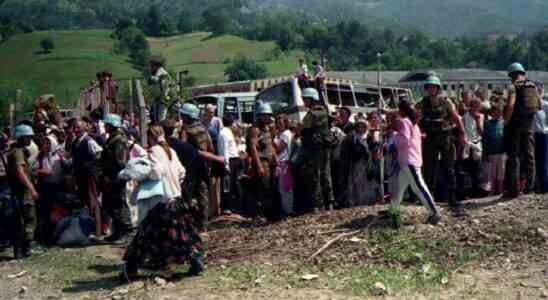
[(198, 136), (18, 189), (315, 133), (264, 144), (527, 99), (436, 118), (117, 145)]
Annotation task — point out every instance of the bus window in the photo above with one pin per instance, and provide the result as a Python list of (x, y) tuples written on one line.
[(279, 96), (201, 102), (247, 108), (366, 99), (332, 94), (231, 108)]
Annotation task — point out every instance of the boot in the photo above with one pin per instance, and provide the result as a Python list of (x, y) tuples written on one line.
[(196, 266), (434, 219), (17, 252), (129, 272), (26, 249)]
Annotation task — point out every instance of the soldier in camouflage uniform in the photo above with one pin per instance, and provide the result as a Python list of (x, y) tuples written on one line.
[(24, 193), (522, 105), (439, 118), (198, 137), (114, 159), (164, 89), (316, 140), (262, 153)]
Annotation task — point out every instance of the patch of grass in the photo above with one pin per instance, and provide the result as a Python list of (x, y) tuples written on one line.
[(65, 268), (401, 261)]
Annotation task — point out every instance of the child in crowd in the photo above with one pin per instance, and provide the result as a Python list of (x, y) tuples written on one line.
[(408, 142), (493, 141)]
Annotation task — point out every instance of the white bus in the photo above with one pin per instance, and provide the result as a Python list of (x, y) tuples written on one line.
[(286, 97)]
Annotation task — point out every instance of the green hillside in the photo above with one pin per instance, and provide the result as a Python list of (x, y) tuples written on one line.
[(205, 56), (78, 55)]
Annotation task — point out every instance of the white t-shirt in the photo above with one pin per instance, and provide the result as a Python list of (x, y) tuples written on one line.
[(226, 145), (287, 138)]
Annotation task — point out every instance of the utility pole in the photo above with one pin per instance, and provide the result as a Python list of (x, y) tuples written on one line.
[(381, 133)]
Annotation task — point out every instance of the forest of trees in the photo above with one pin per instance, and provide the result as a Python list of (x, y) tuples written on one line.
[(347, 44)]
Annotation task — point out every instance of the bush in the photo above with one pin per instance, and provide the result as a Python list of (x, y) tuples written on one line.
[(243, 68), (47, 44)]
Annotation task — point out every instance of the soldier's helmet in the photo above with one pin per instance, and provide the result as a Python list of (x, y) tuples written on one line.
[(311, 93), (190, 110), (23, 130), (432, 80), (113, 120), (516, 68), (264, 109)]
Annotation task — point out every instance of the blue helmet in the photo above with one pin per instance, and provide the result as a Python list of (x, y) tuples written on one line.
[(23, 130), (432, 80), (311, 93), (516, 68), (264, 109), (113, 120), (190, 110)]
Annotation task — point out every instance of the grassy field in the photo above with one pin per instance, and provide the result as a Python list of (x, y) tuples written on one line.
[(78, 55)]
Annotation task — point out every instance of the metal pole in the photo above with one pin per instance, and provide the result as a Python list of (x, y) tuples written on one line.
[(381, 133), (142, 112)]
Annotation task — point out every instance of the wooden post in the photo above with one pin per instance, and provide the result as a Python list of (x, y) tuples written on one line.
[(131, 103), (13, 110), (138, 90)]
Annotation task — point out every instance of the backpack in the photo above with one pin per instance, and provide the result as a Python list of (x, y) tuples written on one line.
[(527, 99)]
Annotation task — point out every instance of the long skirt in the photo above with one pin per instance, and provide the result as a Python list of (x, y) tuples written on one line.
[(166, 235)]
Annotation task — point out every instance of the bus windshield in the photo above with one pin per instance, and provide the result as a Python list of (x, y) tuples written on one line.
[(279, 96)]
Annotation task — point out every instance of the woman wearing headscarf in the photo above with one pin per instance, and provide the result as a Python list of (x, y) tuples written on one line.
[(166, 235)]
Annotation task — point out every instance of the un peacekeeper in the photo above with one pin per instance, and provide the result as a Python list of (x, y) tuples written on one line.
[(113, 160), (316, 153), (264, 158), (23, 191), (439, 118), (198, 137), (522, 105)]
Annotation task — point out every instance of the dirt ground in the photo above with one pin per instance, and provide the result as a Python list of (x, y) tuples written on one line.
[(499, 252)]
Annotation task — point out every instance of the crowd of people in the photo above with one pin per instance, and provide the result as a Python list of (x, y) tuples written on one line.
[(196, 166)]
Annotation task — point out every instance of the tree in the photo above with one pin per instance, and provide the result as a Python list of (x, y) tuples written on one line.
[(185, 24), (47, 44), (217, 21), (243, 68)]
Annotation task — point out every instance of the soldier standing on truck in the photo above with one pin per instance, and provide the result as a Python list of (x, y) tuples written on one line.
[(522, 105), (163, 89), (439, 118)]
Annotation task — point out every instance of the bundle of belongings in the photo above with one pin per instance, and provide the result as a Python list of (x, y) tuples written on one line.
[(149, 191)]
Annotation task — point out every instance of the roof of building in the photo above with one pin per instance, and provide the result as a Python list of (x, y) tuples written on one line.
[(456, 75)]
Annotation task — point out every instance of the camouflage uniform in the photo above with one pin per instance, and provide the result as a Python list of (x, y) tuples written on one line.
[(23, 209), (114, 159), (520, 146), (164, 93), (262, 187), (439, 149), (199, 139), (316, 165)]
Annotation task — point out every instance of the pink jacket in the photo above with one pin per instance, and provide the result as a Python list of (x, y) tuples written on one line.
[(409, 144)]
